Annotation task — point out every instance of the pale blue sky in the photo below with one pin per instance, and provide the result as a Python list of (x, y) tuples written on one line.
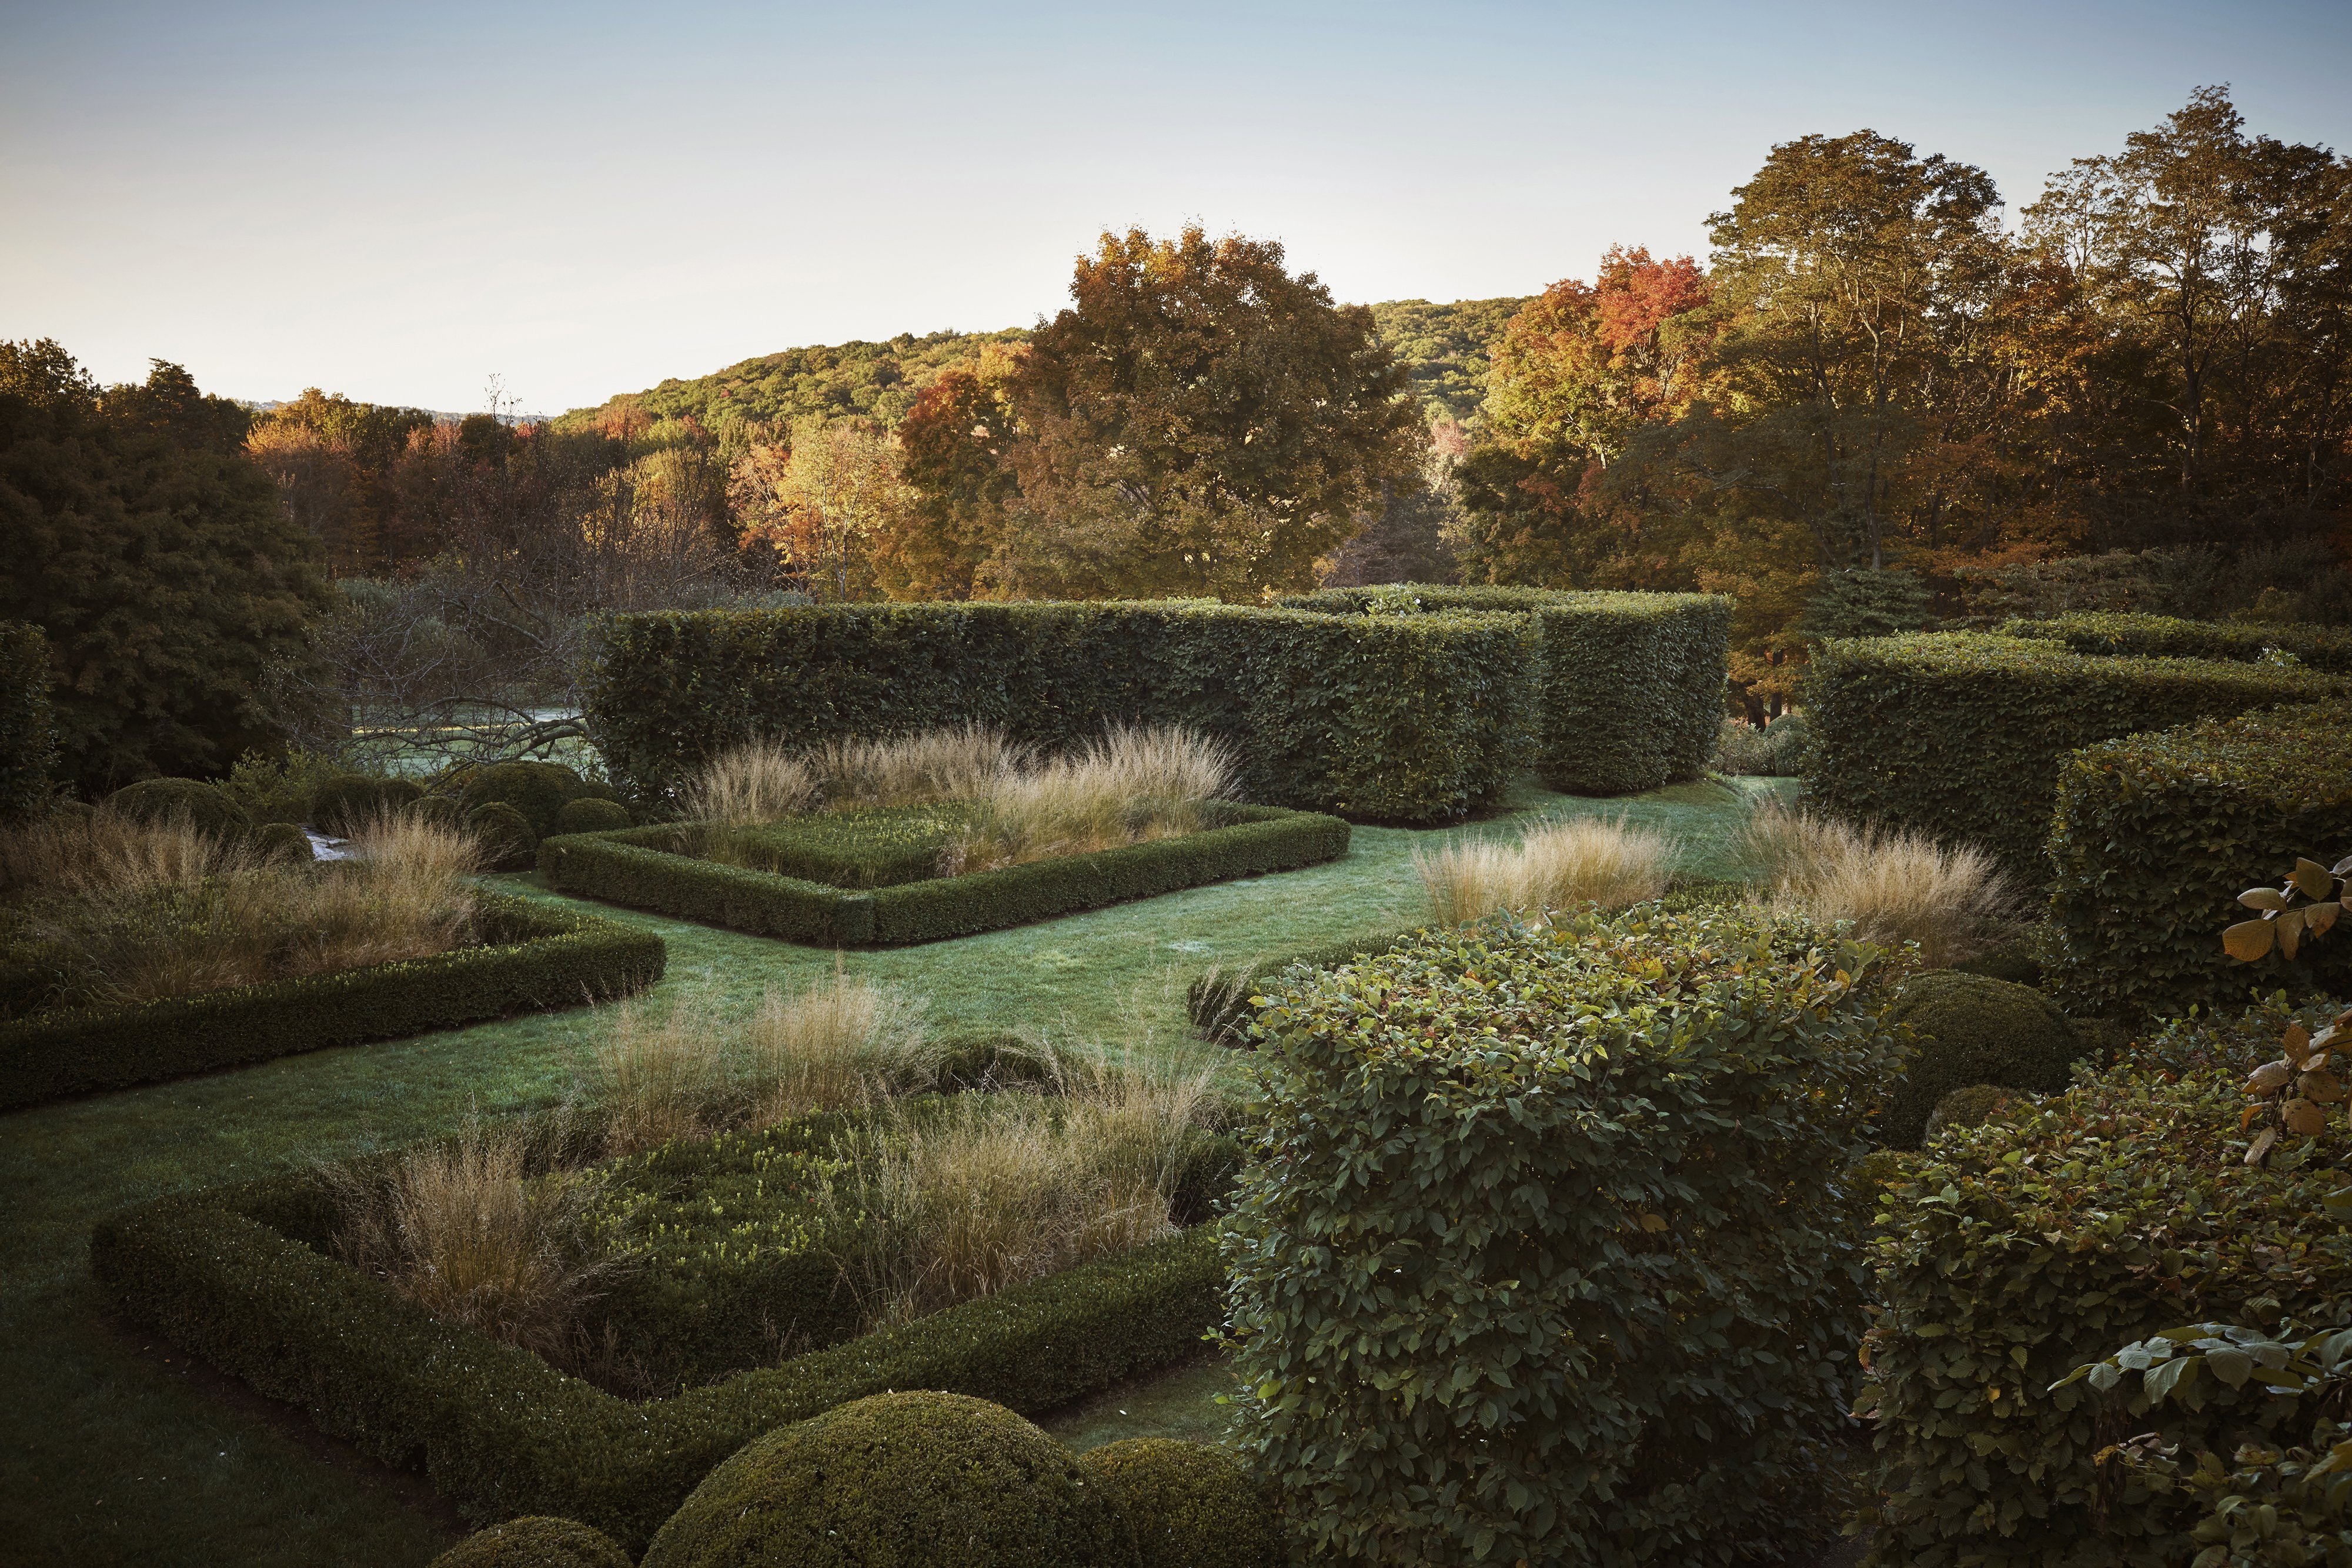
[(395, 201)]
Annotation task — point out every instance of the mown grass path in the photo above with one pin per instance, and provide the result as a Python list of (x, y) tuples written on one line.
[(112, 1451)]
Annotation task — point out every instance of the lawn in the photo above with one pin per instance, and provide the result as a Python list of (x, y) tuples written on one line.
[(116, 1451)]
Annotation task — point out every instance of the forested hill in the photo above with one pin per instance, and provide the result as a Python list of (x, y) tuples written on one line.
[(1444, 345)]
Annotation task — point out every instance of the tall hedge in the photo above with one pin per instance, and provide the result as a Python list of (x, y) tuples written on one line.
[(29, 740), (2104, 633), (2156, 835), (1960, 735), (1414, 719), (1543, 1253), (1631, 682)]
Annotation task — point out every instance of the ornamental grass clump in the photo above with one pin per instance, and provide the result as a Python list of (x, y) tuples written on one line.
[(1558, 864), (1545, 1243), (1128, 787), (1892, 886), (957, 762), (758, 781)]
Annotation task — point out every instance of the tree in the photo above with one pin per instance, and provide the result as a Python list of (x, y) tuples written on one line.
[(1200, 421), (157, 560), (952, 448), (824, 503), (336, 464)]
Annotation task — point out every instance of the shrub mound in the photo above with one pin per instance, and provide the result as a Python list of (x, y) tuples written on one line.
[(2207, 811), (1968, 1107), (349, 802), (508, 841), (283, 841), (2103, 634), (535, 1543), (1189, 1505), (536, 789), (2010, 1254), (1494, 1160), (1219, 1004), (188, 800), (1961, 736), (591, 814), (28, 738), (917, 1481), (1972, 1029)]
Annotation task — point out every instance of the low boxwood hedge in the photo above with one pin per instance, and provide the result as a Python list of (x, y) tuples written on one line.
[(534, 956), (2156, 835), (2166, 637), (243, 1277), (1960, 735), (651, 868)]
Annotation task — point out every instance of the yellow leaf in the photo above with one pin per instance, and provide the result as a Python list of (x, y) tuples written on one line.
[(2246, 1120), (1654, 1222), (2248, 940), (2268, 1077), (2296, 1039), (2268, 898), (2261, 1146), (2303, 1118), (2318, 918), (2290, 926), (2313, 879)]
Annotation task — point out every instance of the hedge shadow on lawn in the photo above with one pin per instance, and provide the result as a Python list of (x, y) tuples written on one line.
[(649, 868), (534, 957), (238, 1275)]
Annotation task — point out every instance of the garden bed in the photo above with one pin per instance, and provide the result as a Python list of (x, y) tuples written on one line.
[(531, 957), (664, 868)]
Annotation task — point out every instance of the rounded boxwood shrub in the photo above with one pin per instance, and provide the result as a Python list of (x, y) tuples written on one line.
[(193, 800), (1970, 1107), (441, 811), (591, 814), (1973, 1028), (1191, 1505), (283, 841), (508, 841), (535, 1543), (537, 789), (349, 802), (912, 1479)]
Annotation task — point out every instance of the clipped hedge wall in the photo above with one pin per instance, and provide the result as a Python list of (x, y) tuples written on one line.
[(2156, 835), (1544, 1252), (535, 956), (2104, 635), (1961, 736), (1631, 682), (2041, 1240), (242, 1276), (649, 868), (28, 738), (1399, 718)]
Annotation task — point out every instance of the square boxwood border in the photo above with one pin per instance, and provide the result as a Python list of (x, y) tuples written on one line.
[(239, 1275), (535, 956), (644, 868)]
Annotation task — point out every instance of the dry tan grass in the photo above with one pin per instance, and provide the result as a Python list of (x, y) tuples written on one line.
[(955, 763), (838, 1045), (999, 1189), (1892, 886), (466, 1233), (758, 781), (1557, 864), (134, 911), (1130, 786)]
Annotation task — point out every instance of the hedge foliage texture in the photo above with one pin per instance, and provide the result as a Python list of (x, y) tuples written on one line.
[(1631, 688), (1544, 1253), (2156, 835), (1399, 718), (28, 738), (2326, 648), (1961, 736)]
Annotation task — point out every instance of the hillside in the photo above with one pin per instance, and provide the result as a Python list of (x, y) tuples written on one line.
[(1444, 346)]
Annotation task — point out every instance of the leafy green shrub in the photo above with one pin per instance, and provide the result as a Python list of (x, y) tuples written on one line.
[(1190, 1505), (2107, 634), (2008, 1255), (1543, 1245), (1962, 736), (1219, 1002), (245, 1277), (28, 738), (2018, 961), (279, 786), (1968, 1107), (656, 868), (508, 841), (2156, 835), (535, 1543), (1632, 684), (533, 957), (1776, 751), (919, 1481), (440, 810), (1973, 1028), (349, 802), (283, 841), (204, 807), (592, 814), (536, 789), (1405, 718)]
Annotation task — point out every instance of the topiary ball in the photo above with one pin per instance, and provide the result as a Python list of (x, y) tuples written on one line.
[(190, 800), (2012, 961), (1970, 1107), (508, 841), (537, 789), (283, 843), (441, 811), (1191, 1505), (535, 1543), (348, 802), (917, 1480), (1973, 1028), (591, 814)]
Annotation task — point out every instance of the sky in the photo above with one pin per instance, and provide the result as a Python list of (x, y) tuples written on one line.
[(397, 202)]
